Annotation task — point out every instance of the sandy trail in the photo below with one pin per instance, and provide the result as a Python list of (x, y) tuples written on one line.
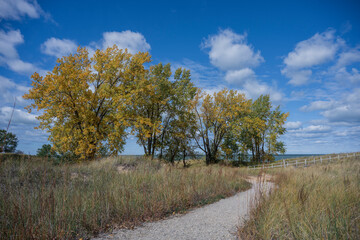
[(214, 221)]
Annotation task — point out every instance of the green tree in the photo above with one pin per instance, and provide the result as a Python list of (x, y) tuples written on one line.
[(8, 141), (149, 106), (46, 151), (261, 129), (161, 111)]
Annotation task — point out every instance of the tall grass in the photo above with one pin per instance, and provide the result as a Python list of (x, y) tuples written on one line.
[(40, 200), (319, 202)]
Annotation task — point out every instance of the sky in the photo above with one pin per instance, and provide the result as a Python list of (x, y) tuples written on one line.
[(305, 54)]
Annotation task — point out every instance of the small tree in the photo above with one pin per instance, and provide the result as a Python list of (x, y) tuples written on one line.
[(46, 151), (8, 141)]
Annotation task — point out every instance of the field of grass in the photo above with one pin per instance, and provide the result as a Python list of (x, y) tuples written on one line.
[(40, 200), (318, 202)]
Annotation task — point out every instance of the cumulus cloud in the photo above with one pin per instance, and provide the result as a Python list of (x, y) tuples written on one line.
[(230, 51), (237, 77), (132, 41), (348, 57), (346, 109), (343, 75), (16, 9), (317, 105), (9, 90), (8, 41), (343, 113), (253, 89), (293, 125), (19, 117), (319, 49), (58, 47), (9, 55), (297, 77)]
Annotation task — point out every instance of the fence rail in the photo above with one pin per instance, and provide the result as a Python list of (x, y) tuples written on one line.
[(304, 162)]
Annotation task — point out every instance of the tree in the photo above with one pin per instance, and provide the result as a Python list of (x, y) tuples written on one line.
[(8, 141), (149, 105), (261, 129), (46, 151), (161, 111), (216, 116), (84, 100), (179, 121)]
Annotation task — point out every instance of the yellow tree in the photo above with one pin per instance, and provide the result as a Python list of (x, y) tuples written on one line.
[(148, 106), (261, 129), (83, 100), (216, 115)]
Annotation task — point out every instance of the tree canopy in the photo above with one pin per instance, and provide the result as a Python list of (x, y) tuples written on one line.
[(8, 141), (90, 105)]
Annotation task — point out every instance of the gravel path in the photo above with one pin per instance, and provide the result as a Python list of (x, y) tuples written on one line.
[(213, 221)]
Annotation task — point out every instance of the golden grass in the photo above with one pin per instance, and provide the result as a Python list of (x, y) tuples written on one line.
[(40, 200), (318, 202)]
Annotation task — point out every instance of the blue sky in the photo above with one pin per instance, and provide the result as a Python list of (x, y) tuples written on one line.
[(306, 55)]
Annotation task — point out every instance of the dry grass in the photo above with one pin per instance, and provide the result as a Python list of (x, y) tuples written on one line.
[(40, 200), (319, 202)]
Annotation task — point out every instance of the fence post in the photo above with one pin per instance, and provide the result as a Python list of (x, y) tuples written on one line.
[(284, 162), (305, 162), (272, 165), (339, 157)]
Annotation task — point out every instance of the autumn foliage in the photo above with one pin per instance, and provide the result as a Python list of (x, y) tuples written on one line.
[(89, 105)]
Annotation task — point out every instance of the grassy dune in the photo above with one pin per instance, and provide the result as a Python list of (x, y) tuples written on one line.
[(318, 202), (44, 201)]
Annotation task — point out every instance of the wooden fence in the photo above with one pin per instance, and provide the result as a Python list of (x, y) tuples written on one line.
[(305, 162)]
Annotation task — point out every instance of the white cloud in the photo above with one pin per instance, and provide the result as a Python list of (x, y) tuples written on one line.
[(297, 77), (346, 109), (319, 49), (10, 90), (20, 66), (230, 51), (317, 128), (58, 47), (9, 55), (293, 125), (348, 57), (19, 117), (317, 105), (237, 77), (15, 9), (133, 41), (343, 113), (253, 89), (8, 41), (342, 75), (316, 50)]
